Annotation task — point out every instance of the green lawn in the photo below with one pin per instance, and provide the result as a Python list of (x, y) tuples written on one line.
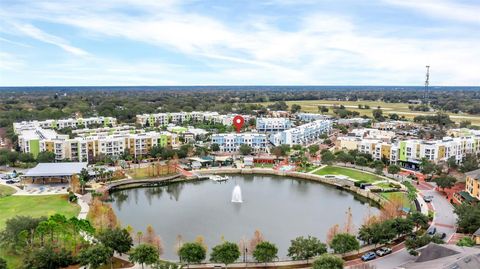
[(354, 174), (308, 169), (13, 261), (6, 191), (263, 165), (402, 196), (35, 206)]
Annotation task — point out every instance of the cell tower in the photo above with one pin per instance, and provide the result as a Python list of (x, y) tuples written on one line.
[(427, 82)]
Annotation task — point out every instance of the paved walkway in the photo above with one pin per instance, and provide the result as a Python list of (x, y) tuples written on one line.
[(316, 169)]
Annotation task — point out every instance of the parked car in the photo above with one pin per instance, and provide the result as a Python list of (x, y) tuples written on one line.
[(432, 230), (428, 198), (383, 251), (10, 181), (369, 256)]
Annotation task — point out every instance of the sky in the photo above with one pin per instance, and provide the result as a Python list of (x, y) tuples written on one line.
[(239, 42)]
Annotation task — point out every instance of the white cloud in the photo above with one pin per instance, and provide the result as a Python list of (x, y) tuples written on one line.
[(40, 35), (322, 49), (442, 9)]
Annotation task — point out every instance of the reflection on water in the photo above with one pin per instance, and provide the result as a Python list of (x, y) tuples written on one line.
[(281, 208)]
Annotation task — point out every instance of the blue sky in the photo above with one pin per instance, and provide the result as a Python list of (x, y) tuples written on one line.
[(239, 42)]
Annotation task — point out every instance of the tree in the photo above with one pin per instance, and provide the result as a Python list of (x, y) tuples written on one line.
[(144, 254), (322, 109), (3, 264), (153, 239), (215, 147), (452, 162), (402, 226), (117, 239), (343, 243), (344, 157), (419, 219), (426, 166), (361, 161), (10, 237), (226, 253), (265, 252), (469, 163), (468, 217), (327, 157), (83, 177), (445, 181), (48, 257), (26, 157), (192, 253), (313, 149), (328, 261), (245, 149), (295, 108), (466, 242), (378, 114), (302, 248), (413, 243), (393, 169), (256, 239), (378, 165), (95, 256), (46, 157)]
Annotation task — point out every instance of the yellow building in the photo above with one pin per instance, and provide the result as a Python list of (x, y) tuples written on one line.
[(472, 183)]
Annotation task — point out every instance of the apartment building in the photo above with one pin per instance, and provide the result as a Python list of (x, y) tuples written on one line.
[(308, 117), (273, 125), (472, 183), (161, 119), (393, 125), (409, 153), (352, 121), (87, 146), (303, 134), (231, 142), (64, 123)]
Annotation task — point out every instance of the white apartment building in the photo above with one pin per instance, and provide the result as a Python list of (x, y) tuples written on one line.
[(64, 123), (308, 117), (231, 142), (161, 119), (303, 134), (273, 125)]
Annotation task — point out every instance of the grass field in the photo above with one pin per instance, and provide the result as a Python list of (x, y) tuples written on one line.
[(6, 191), (263, 165), (358, 175), (388, 108), (35, 206), (401, 196)]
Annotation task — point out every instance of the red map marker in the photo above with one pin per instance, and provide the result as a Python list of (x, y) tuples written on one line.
[(238, 122)]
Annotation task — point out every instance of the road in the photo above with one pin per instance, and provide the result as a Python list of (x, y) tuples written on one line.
[(444, 220)]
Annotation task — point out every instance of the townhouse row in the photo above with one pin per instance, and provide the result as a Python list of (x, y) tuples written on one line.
[(73, 123), (163, 119), (409, 153), (86, 147), (302, 135)]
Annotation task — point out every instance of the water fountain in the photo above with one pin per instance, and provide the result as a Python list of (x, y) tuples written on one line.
[(237, 195)]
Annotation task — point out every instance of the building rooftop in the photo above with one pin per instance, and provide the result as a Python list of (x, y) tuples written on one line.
[(474, 174), (435, 256), (55, 169)]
